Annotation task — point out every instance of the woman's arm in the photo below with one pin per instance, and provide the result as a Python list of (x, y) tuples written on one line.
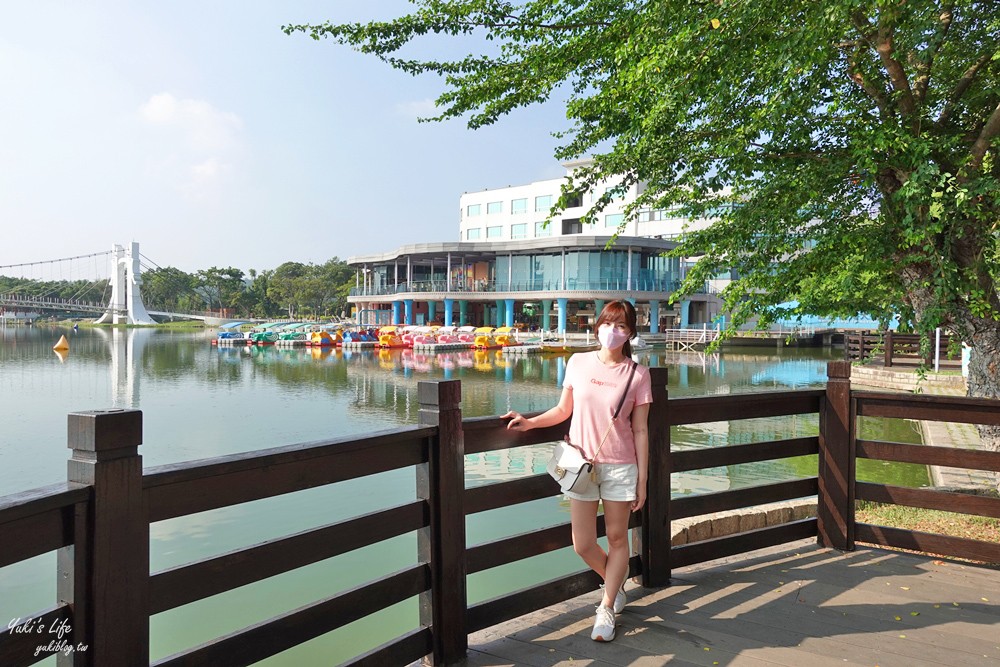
[(560, 413), (640, 434)]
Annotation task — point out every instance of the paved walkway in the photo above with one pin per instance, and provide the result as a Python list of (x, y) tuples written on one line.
[(797, 605)]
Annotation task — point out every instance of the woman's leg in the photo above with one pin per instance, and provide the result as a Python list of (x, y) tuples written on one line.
[(583, 519), (616, 515)]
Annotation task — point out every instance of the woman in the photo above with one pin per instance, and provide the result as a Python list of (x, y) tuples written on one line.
[(592, 388)]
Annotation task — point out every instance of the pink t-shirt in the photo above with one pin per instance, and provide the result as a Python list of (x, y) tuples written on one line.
[(597, 388)]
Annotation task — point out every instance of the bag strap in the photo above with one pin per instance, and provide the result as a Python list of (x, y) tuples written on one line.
[(614, 417)]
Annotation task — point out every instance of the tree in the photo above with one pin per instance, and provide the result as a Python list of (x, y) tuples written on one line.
[(847, 147), (164, 288), (222, 287)]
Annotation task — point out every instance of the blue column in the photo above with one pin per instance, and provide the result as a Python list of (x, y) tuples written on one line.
[(396, 307), (654, 317), (509, 312), (546, 312), (560, 370), (463, 313), (685, 313), (563, 307), (632, 301), (683, 376), (431, 310), (497, 317), (449, 311), (408, 309), (598, 307)]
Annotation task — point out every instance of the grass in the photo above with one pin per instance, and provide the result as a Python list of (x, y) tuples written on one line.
[(985, 529)]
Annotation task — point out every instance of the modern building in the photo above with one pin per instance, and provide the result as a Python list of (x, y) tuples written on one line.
[(513, 265)]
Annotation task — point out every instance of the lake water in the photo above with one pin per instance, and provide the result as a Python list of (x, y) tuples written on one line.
[(200, 401)]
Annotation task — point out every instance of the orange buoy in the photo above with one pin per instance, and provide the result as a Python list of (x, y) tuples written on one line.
[(63, 344)]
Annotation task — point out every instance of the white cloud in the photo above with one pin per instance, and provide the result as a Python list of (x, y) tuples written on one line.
[(417, 108), (202, 126), (199, 144), (209, 169)]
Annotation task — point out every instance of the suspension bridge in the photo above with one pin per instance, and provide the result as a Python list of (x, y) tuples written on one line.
[(120, 295)]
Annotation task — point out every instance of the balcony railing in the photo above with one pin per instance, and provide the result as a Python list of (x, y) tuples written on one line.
[(618, 283)]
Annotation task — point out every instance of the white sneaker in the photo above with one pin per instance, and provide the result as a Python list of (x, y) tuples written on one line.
[(620, 599), (604, 625)]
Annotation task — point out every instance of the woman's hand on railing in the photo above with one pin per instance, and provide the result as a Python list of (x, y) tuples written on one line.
[(518, 422)]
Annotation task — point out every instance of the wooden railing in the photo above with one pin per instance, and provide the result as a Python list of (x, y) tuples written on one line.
[(98, 522), (890, 348)]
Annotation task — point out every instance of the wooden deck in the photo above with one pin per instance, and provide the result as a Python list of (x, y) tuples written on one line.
[(798, 605)]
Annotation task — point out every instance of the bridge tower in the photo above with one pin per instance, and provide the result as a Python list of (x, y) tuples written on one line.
[(126, 300)]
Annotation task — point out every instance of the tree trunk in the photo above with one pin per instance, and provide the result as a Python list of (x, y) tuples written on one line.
[(984, 377)]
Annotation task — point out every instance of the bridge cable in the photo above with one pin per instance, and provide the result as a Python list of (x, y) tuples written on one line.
[(53, 261)]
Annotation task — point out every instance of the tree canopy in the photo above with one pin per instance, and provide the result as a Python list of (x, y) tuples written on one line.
[(848, 148)]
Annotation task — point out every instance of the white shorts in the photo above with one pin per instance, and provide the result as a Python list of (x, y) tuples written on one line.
[(615, 481)]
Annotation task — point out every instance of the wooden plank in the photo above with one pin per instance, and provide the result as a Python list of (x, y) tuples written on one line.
[(19, 644), (516, 547), (655, 534), (195, 581), (114, 596), (707, 409), (929, 455), (837, 429), (182, 489), (720, 547), (41, 500), (36, 534), (38, 521), (505, 607), (929, 543), (270, 637), (488, 434), (707, 503), (946, 501), (441, 482), (928, 407), (710, 457), (400, 651), (510, 492)]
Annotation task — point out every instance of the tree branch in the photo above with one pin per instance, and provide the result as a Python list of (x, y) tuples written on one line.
[(873, 91), (923, 67), (881, 40), (962, 86), (989, 132)]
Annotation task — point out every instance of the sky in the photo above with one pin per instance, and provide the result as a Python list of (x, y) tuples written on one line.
[(203, 132)]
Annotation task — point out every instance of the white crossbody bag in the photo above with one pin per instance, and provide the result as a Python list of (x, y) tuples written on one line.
[(569, 466)]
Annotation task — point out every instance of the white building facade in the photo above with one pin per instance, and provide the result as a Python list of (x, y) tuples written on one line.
[(513, 265)]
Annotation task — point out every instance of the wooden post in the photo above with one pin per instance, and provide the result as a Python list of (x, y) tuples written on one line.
[(104, 576), (441, 482), (837, 426), (656, 514), (887, 360)]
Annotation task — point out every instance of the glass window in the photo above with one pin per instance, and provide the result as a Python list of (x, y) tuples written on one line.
[(473, 209), (613, 219), (473, 234), (543, 203), (519, 231), (494, 232), (542, 229), (616, 193), (494, 207), (519, 205)]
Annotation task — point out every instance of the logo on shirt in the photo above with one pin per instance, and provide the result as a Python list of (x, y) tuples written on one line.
[(602, 383)]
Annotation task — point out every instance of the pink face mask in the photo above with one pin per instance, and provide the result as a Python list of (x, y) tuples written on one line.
[(611, 337)]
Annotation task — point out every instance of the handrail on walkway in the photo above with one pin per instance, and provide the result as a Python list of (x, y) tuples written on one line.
[(98, 521)]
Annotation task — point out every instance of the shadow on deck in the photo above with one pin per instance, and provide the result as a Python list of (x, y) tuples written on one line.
[(797, 604)]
